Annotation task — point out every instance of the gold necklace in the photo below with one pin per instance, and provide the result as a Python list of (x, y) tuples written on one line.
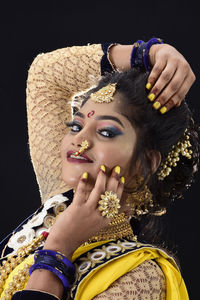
[(118, 228), (12, 262)]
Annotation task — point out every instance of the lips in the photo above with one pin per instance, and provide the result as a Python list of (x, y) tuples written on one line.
[(78, 159)]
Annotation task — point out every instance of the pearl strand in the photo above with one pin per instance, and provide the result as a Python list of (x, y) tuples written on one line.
[(12, 262)]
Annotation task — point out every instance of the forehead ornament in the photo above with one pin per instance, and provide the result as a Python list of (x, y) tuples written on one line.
[(105, 94)]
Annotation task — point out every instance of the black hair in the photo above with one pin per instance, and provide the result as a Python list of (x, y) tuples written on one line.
[(156, 132)]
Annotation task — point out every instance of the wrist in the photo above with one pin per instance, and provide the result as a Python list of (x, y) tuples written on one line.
[(148, 61), (120, 55), (152, 52), (64, 247), (45, 281)]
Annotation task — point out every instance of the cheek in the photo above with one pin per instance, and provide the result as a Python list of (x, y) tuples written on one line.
[(64, 144), (115, 154)]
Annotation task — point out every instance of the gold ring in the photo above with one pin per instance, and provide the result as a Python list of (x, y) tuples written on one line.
[(109, 204)]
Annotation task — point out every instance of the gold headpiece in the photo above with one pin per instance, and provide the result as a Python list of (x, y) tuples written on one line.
[(105, 94), (173, 157), (84, 146)]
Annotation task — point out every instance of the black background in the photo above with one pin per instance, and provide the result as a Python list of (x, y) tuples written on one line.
[(27, 30)]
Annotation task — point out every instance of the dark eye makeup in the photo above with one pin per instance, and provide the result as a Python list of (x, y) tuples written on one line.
[(107, 132)]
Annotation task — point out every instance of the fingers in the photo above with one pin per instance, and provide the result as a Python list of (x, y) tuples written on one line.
[(171, 94), (155, 72), (99, 188), (80, 195), (114, 183), (178, 97), (170, 79), (176, 86)]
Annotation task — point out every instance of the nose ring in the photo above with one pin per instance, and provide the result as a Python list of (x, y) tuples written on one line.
[(84, 146)]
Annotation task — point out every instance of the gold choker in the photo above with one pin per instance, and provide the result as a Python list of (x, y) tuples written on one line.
[(118, 228)]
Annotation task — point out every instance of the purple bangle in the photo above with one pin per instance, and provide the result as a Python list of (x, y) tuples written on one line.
[(134, 55), (53, 270), (59, 256), (146, 51)]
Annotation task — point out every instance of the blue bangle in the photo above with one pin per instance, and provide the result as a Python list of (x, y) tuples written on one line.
[(56, 263), (59, 265), (146, 51), (136, 60), (59, 256)]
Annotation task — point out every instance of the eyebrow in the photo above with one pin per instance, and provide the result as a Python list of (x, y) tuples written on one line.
[(106, 117), (103, 117)]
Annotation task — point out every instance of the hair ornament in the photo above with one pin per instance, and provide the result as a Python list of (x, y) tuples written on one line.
[(181, 148), (105, 94)]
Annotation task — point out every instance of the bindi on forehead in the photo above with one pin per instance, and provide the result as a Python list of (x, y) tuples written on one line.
[(91, 113)]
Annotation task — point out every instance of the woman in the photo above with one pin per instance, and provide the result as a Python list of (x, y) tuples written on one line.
[(117, 157)]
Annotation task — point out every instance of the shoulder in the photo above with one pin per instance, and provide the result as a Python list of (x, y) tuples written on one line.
[(145, 280)]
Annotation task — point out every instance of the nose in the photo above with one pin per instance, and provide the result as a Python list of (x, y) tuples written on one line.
[(77, 141), (86, 134)]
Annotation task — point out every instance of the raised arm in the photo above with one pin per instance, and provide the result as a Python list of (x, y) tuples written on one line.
[(52, 80)]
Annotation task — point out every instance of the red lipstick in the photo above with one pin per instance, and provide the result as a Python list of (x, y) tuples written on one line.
[(79, 159)]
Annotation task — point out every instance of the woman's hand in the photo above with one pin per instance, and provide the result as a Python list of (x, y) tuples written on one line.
[(82, 219), (171, 76)]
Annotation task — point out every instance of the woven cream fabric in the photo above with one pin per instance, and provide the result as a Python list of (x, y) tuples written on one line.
[(53, 79), (146, 282)]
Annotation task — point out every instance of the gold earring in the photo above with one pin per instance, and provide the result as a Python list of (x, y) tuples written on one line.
[(141, 201)]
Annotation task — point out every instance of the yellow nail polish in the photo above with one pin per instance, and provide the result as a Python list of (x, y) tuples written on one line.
[(117, 169), (148, 86), (151, 97), (123, 179), (163, 110), (85, 175), (156, 105), (103, 168)]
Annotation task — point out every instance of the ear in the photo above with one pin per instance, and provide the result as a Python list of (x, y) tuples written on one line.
[(155, 157)]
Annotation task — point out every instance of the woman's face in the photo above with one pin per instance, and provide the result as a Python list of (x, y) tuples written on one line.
[(111, 140)]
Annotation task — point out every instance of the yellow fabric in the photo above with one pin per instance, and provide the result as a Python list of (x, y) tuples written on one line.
[(86, 248), (29, 260), (101, 278)]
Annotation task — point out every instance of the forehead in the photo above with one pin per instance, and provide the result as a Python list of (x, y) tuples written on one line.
[(91, 110), (102, 108)]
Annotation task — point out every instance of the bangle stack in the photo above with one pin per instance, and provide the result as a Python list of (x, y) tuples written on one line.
[(137, 54), (56, 263), (140, 53)]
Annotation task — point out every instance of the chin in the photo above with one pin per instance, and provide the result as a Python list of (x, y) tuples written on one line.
[(70, 181)]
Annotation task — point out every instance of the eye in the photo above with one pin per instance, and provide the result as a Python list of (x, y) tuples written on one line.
[(75, 127), (107, 133)]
